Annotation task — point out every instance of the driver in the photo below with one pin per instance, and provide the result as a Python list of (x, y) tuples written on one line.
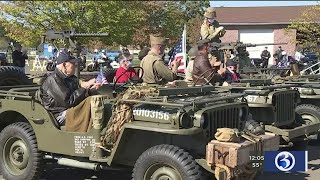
[(203, 72), (62, 91), (155, 71), (125, 70)]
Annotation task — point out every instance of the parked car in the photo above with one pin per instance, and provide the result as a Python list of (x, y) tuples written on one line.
[(113, 55)]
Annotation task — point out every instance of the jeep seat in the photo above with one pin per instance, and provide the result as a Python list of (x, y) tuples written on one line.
[(54, 121)]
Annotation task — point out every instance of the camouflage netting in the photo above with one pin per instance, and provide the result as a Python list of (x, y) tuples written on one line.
[(123, 112)]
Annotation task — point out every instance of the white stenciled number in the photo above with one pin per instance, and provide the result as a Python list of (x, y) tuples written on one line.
[(251, 98), (166, 116)]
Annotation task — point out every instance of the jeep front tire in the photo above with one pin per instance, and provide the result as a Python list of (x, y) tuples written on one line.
[(20, 158), (309, 114), (166, 162)]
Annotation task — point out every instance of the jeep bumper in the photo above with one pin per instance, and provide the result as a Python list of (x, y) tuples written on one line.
[(289, 134)]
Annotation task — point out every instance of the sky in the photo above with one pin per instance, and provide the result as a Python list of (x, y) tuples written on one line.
[(261, 3)]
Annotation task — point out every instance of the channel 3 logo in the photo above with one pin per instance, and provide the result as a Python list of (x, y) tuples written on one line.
[(282, 161)]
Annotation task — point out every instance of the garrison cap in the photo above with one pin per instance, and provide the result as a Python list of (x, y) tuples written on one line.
[(202, 42), (157, 39)]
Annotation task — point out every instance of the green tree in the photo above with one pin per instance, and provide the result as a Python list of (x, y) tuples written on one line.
[(167, 18), (307, 27), (26, 21), (127, 22)]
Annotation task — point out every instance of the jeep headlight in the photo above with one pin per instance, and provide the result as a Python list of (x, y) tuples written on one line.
[(203, 122), (185, 121)]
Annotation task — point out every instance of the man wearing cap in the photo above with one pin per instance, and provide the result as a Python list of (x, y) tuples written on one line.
[(62, 89), (155, 71), (203, 72), (193, 52), (277, 55), (265, 56), (19, 58), (210, 29)]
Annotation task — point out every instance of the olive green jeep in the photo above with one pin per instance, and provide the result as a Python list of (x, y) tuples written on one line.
[(309, 106), (274, 105), (167, 137)]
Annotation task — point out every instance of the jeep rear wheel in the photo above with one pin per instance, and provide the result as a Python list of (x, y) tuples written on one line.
[(309, 114), (166, 162), (19, 155)]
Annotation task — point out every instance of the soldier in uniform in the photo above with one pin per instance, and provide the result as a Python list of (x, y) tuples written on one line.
[(211, 30), (155, 71)]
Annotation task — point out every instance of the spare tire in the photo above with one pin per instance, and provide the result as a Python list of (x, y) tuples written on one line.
[(12, 76)]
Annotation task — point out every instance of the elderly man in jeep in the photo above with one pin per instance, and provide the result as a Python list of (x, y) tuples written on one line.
[(62, 91)]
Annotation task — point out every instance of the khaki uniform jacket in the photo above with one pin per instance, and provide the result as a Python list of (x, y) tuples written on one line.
[(155, 71), (211, 31)]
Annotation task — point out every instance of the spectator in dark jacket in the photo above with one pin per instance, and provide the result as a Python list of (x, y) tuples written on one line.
[(19, 58), (203, 72), (231, 75), (62, 90)]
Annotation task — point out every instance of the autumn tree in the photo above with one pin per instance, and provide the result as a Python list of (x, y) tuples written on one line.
[(26, 21), (308, 28), (127, 22), (168, 18)]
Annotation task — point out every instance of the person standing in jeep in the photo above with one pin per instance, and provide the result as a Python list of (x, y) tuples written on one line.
[(19, 58), (265, 56)]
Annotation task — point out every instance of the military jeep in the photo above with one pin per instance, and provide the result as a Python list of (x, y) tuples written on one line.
[(166, 139), (274, 105), (309, 106)]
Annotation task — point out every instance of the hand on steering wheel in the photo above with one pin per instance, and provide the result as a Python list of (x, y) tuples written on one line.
[(131, 80)]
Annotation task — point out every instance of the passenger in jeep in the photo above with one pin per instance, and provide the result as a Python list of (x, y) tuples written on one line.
[(62, 89)]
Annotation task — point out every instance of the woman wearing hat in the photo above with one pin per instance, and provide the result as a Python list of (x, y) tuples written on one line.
[(125, 70)]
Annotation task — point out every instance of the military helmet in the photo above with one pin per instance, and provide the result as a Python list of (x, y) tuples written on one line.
[(210, 13)]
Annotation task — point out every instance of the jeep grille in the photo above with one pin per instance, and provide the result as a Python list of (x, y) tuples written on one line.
[(284, 104), (226, 117)]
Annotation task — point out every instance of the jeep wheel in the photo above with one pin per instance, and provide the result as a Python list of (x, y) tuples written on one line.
[(19, 155), (11, 76), (166, 162), (309, 114)]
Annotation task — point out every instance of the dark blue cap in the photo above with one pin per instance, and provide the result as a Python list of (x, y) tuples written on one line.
[(65, 56)]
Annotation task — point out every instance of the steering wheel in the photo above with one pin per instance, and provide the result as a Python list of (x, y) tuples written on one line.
[(131, 80), (202, 77)]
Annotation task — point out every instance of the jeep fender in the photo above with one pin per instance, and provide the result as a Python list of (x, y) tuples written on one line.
[(134, 139)]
